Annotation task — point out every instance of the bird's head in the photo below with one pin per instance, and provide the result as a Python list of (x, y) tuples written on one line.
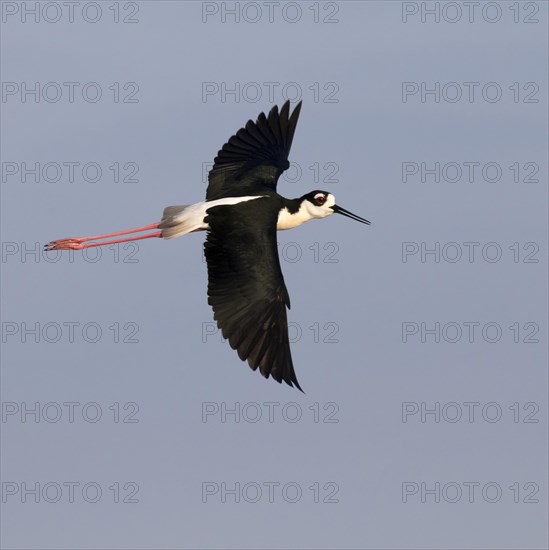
[(320, 204)]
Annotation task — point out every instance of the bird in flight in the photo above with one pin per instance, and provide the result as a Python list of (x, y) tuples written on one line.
[(241, 214)]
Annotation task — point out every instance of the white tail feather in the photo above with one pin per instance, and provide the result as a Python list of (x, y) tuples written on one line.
[(181, 219)]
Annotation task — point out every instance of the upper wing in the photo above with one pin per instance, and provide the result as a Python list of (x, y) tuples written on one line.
[(254, 158), (246, 288)]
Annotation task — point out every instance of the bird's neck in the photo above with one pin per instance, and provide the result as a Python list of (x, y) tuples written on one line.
[(293, 213)]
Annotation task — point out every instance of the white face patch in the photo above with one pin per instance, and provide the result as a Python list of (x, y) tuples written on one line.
[(323, 210), (307, 211)]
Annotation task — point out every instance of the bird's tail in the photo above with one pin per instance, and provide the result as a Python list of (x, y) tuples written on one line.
[(181, 219)]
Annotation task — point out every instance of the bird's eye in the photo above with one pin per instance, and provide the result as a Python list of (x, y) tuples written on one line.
[(320, 199)]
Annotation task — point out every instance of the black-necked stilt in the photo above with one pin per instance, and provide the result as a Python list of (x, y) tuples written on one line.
[(241, 213)]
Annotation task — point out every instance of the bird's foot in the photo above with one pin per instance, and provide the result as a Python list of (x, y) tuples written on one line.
[(65, 244)]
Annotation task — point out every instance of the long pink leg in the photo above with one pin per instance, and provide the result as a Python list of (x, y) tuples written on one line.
[(76, 243)]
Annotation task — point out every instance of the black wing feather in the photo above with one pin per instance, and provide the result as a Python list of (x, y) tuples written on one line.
[(246, 288), (253, 159)]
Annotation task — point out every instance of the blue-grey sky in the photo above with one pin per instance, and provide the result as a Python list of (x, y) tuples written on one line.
[(420, 341)]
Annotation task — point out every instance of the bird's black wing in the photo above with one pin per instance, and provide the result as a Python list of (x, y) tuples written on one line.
[(253, 159), (246, 288)]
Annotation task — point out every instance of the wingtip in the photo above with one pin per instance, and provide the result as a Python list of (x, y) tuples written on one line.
[(285, 109), (292, 382), (273, 111)]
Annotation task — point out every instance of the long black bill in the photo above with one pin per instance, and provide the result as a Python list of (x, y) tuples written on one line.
[(338, 210)]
